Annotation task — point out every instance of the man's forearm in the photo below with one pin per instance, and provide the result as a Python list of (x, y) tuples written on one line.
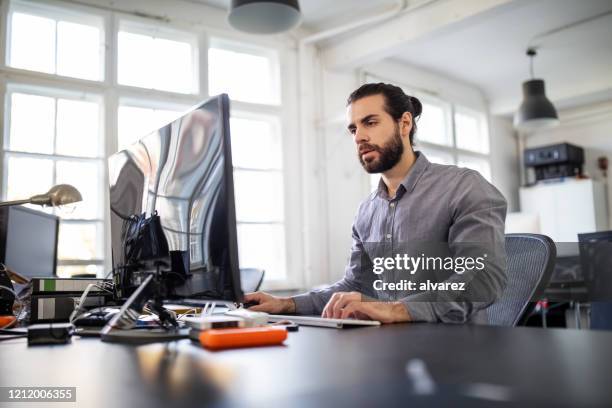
[(288, 305)]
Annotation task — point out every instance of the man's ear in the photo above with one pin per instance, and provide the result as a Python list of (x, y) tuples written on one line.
[(406, 123)]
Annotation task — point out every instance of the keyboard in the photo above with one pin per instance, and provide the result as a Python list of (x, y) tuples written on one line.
[(322, 321)]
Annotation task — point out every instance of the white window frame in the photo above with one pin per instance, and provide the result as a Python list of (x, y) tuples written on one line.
[(280, 112), (58, 12), (113, 94), (99, 159), (273, 55), (142, 26)]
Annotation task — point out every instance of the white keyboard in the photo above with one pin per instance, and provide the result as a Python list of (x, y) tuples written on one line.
[(322, 321)]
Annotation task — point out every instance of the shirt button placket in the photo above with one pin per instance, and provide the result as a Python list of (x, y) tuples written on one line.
[(390, 216)]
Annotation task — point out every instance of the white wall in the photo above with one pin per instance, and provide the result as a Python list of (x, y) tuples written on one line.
[(346, 182), (589, 127), (505, 159)]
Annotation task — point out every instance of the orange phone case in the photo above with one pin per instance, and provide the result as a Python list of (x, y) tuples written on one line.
[(217, 339), (7, 320)]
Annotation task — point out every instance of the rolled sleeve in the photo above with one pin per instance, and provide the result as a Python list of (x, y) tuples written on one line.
[(419, 311)]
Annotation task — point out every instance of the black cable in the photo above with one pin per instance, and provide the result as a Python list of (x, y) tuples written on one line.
[(13, 331), (21, 336)]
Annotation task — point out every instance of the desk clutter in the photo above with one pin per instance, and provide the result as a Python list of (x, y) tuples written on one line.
[(52, 310)]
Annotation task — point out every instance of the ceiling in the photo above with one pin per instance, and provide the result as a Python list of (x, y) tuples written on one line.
[(489, 52), (576, 63)]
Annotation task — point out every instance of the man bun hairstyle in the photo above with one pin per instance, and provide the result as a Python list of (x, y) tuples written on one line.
[(396, 102)]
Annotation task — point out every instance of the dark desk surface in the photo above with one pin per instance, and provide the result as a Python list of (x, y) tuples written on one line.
[(328, 367)]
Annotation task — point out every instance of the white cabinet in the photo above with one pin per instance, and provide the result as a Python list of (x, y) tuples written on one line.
[(567, 208)]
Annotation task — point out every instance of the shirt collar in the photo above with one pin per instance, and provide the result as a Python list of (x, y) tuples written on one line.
[(409, 182)]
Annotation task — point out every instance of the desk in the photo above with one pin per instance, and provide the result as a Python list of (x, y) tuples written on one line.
[(327, 367)]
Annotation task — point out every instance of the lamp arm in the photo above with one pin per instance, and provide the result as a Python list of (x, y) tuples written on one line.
[(15, 202)]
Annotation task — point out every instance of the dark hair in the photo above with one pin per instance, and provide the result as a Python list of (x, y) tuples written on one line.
[(396, 102)]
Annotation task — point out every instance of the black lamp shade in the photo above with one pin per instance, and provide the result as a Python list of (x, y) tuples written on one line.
[(264, 16), (536, 111)]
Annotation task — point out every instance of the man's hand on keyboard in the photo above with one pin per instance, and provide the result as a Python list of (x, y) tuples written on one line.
[(269, 304), (347, 305)]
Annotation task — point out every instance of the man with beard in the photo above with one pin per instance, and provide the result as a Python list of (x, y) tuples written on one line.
[(416, 201)]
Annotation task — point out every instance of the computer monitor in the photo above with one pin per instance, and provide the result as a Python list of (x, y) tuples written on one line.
[(183, 172), (596, 261), (28, 241)]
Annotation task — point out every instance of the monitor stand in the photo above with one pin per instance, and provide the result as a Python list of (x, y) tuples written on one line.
[(122, 327)]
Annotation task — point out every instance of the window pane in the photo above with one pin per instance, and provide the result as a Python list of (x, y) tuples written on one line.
[(32, 43), (27, 177), (80, 241), (134, 59), (255, 144), (259, 196), (437, 156), (470, 133), (87, 178), (173, 66), (32, 123), (480, 165), (432, 126), (245, 77), (78, 128), (135, 123), (78, 51), (155, 63), (262, 246), (66, 271)]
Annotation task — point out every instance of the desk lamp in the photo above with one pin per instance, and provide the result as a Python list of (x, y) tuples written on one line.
[(59, 195)]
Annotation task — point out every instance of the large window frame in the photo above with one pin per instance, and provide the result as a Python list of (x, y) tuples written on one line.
[(114, 94), (52, 10)]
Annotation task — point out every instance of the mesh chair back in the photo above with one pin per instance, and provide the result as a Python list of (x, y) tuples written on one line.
[(530, 262)]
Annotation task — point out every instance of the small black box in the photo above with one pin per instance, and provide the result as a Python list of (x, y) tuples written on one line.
[(51, 333), (555, 161), (563, 153)]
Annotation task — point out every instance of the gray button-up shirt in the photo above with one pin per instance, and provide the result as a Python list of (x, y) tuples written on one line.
[(434, 203)]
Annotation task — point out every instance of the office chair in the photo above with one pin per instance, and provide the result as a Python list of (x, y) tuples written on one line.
[(251, 279), (530, 262)]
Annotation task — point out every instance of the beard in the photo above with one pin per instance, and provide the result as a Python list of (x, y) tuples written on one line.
[(388, 155)]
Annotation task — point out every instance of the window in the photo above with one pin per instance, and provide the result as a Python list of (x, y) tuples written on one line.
[(453, 134), (58, 128), (470, 131), (45, 39), (257, 152), (258, 182), (157, 59), (259, 83), (434, 125), (134, 122), (55, 137), (438, 156)]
